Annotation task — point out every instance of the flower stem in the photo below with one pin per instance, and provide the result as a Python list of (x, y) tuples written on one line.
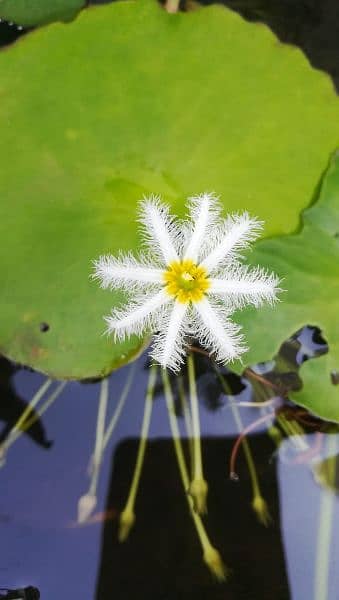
[(325, 528), (293, 431), (291, 428), (258, 502), (99, 435), (120, 405), (88, 501), (240, 440), (211, 556), (29, 408), (48, 402), (198, 487), (188, 421), (127, 516), (26, 421)]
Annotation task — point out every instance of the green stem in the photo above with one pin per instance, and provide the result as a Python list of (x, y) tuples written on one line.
[(188, 420), (210, 554), (120, 405), (99, 435), (127, 516), (46, 404), (258, 503), (37, 396), (198, 487), (294, 432), (88, 501), (25, 421), (325, 529)]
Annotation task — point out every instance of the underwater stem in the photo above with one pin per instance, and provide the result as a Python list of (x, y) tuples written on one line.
[(258, 503), (127, 516), (240, 439), (99, 435), (188, 421), (325, 528), (211, 556), (29, 408), (294, 432), (25, 421), (46, 404), (120, 405), (88, 501), (198, 486)]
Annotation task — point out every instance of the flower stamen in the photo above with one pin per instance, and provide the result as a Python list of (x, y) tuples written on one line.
[(186, 281)]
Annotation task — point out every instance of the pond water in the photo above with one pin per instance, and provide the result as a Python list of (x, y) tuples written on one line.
[(45, 473)]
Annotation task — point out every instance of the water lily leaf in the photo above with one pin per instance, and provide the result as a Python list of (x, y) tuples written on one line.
[(309, 263), (124, 101), (38, 12)]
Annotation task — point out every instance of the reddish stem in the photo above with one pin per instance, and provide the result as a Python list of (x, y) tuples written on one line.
[(248, 429)]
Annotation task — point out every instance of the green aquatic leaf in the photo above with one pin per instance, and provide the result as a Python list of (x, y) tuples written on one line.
[(124, 101), (29, 13), (308, 262)]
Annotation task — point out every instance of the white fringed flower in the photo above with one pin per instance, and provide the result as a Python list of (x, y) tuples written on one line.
[(190, 281)]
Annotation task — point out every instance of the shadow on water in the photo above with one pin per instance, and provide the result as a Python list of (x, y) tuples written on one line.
[(12, 407), (162, 557), (162, 560)]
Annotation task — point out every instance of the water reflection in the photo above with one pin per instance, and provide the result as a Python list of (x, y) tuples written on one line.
[(162, 558), (310, 523), (47, 542), (12, 406)]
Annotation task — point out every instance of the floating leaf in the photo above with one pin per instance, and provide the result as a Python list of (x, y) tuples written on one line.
[(124, 101), (309, 263), (38, 12)]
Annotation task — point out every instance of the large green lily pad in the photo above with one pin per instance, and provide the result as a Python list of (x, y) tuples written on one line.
[(124, 101), (38, 12), (309, 264)]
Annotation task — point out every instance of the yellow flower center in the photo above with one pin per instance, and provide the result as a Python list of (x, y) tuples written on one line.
[(186, 281)]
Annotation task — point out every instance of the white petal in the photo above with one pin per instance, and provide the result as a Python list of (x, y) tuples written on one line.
[(125, 272), (216, 332), (235, 234), (244, 286), (168, 347), (161, 232), (204, 211), (139, 316)]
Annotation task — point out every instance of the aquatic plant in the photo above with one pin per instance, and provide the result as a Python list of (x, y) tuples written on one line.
[(189, 283), (185, 115)]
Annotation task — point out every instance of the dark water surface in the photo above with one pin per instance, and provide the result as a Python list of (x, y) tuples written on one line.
[(42, 544)]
